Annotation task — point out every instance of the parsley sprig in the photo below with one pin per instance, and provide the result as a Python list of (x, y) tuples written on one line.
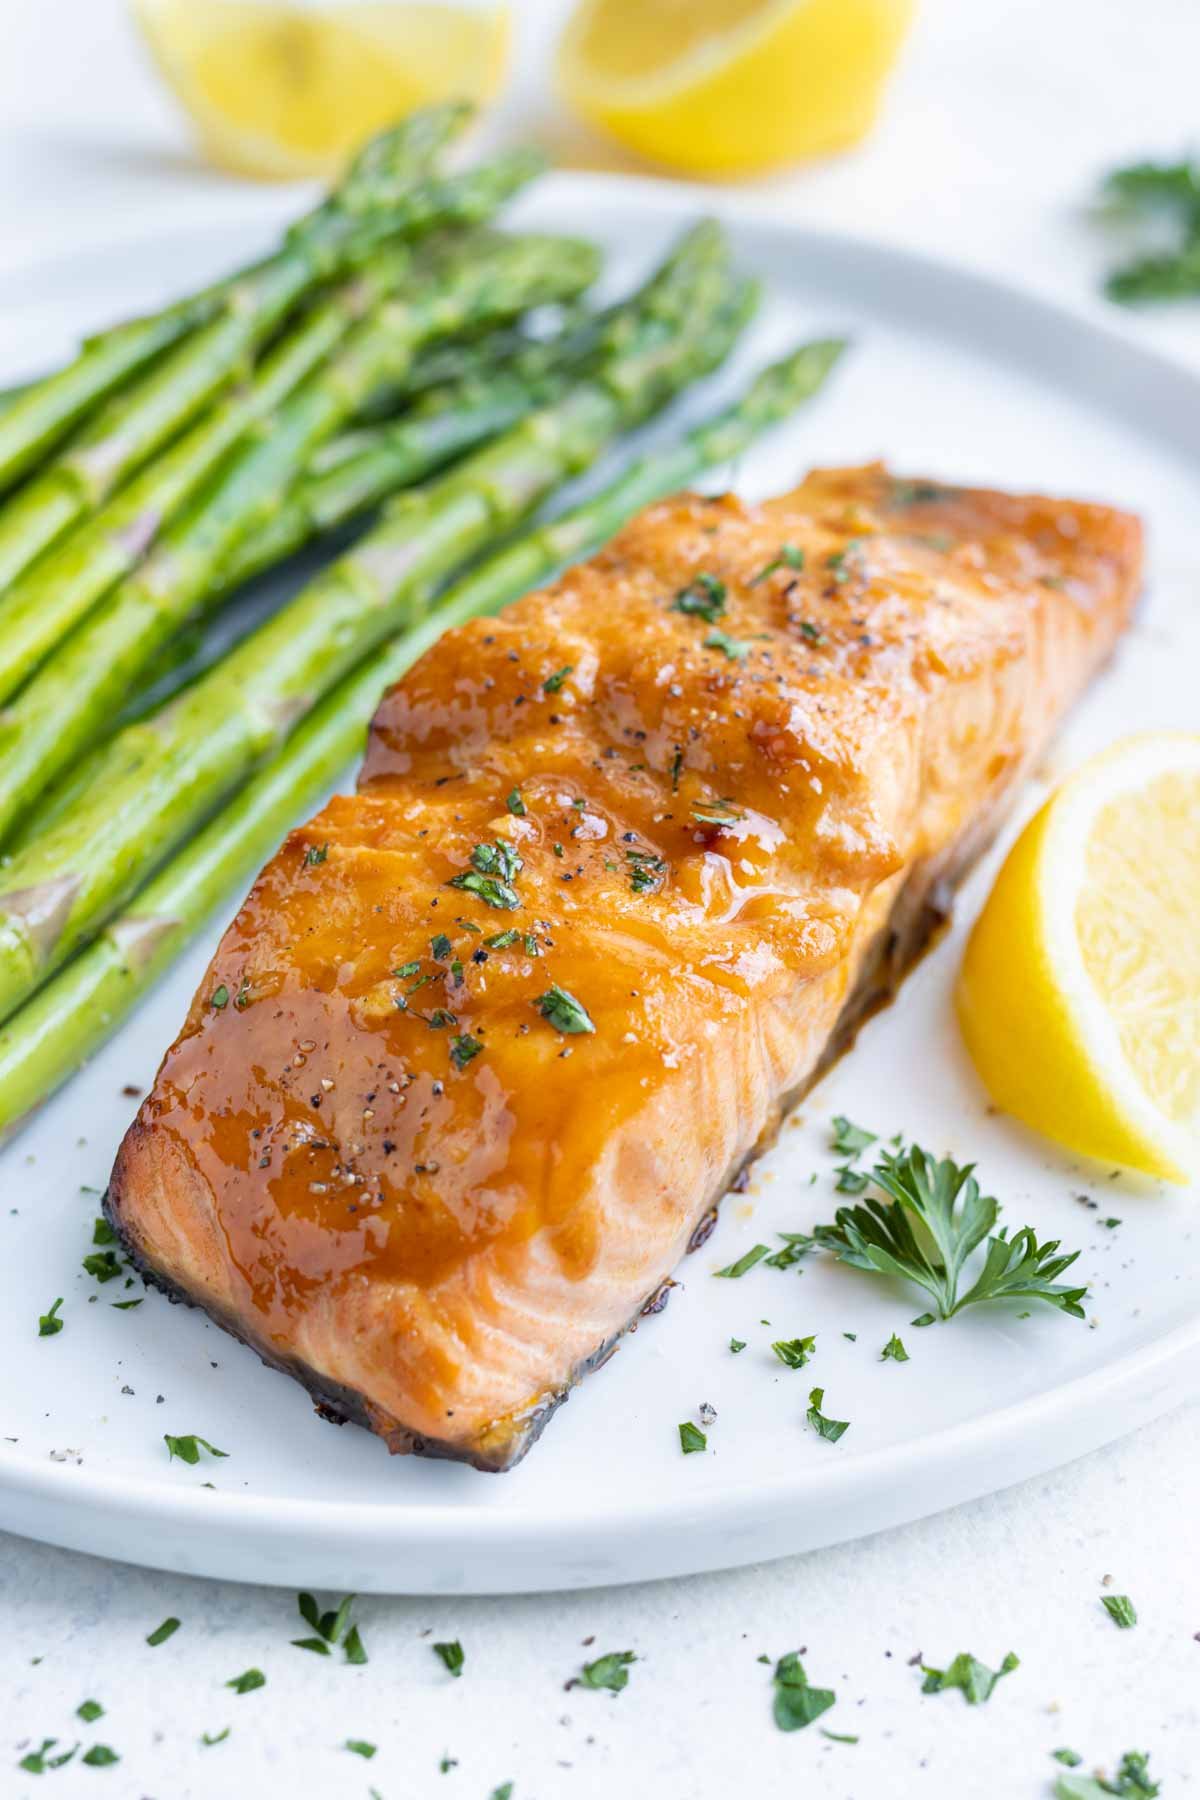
[(938, 1216)]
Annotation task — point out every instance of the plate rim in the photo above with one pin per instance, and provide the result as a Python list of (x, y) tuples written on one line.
[(1070, 1418)]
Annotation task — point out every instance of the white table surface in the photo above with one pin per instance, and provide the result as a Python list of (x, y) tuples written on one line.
[(1004, 113)]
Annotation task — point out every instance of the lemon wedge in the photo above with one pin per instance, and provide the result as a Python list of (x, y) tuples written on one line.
[(281, 90), (1079, 995), (730, 87)]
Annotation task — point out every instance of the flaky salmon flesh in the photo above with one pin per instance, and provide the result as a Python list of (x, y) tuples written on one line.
[(490, 1036)]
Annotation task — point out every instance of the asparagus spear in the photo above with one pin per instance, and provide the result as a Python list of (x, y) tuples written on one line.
[(78, 1009), (159, 779), (66, 702), (44, 602), (384, 172), (128, 428)]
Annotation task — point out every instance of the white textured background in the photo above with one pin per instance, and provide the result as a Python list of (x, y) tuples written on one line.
[(1004, 113)]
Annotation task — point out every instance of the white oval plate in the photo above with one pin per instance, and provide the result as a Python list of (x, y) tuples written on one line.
[(952, 375)]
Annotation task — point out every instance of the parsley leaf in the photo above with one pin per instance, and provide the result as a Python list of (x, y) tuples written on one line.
[(564, 1011), (733, 1271), (162, 1632), (102, 1264), (452, 1654), (463, 1049), (691, 1438), (360, 1747), (736, 649), (793, 1353), (89, 1711), (972, 1677), (49, 1322), (609, 1671), (515, 804), (938, 1218), (736, 1345), (553, 682), (831, 1429), (315, 855), (100, 1756), (796, 1244), (494, 867), (188, 1448), (797, 1703), (704, 597), (219, 999), (1132, 1780), (1120, 1609), (331, 1629), (247, 1681), (790, 557), (849, 1139), (894, 1350)]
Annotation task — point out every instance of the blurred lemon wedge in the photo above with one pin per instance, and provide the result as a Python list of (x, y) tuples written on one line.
[(730, 87), (282, 90), (1079, 995)]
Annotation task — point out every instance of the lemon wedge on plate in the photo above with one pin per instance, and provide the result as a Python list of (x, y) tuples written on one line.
[(282, 90), (1079, 995), (731, 87)]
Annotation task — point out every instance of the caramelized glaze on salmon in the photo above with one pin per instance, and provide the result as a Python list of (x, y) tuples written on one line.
[(711, 787)]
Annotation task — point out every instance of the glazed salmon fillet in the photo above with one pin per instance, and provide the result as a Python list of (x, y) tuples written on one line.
[(625, 866)]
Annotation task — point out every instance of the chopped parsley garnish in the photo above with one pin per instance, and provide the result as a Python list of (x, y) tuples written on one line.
[(703, 598), (893, 1350), (463, 1049), (406, 969), (919, 493), (102, 1264), (974, 1679), (553, 682), (736, 1345), (793, 1353), (219, 999), (1120, 1609), (790, 557), (515, 804), (564, 1011), (440, 947), (102, 1232), (691, 1438), (838, 1737), (646, 871), (503, 1792), (100, 1756), (850, 1140), (797, 1703), (315, 854), (331, 1629), (1165, 197), (744, 1264), (494, 867), (49, 1323), (1071, 1758), (38, 1761), (610, 1671), (716, 812), (188, 1448), (452, 1655), (815, 635), (952, 1218), (841, 562), (162, 1632), (736, 649), (1132, 1780), (439, 1018), (676, 766), (851, 1181), (209, 1738), (89, 1711), (796, 1245), (360, 1747), (126, 1305), (831, 1429), (247, 1681)]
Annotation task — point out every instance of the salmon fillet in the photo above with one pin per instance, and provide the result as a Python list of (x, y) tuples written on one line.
[(490, 1036)]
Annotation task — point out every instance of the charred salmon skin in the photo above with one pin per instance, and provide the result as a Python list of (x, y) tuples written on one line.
[(624, 868)]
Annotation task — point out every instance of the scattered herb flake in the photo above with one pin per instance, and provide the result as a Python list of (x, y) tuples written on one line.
[(162, 1632), (564, 1011), (797, 1703), (315, 855), (831, 1429), (440, 947), (89, 1711), (1120, 1609), (515, 804), (796, 1245), (247, 1681), (102, 1264), (790, 557), (610, 1671), (793, 1353), (126, 1305), (219, 999), (1071, 1758), (716, 812), (703, 598), (209, 1738), (405, 970), (974, 1679), (838, 1737), (850, 1140), (894, 1350), (452, 1655), (736, 649), (463, 1048), (360, 1747), (691, 1438), (188, 1448), (736, 1345), (100, 1756), (554, 682), (102, 1232), (49, 1323), (733, 1271), (1132, 1780), (502, 939)]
